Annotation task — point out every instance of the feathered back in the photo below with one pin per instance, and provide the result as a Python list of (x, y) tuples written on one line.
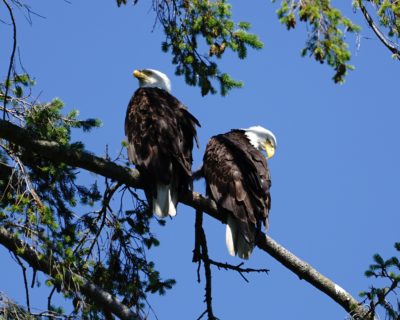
[(160, 134), (238, 179)]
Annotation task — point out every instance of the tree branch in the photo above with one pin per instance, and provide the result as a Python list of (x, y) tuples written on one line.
[(14, 48), (90, 290), (23, 268), (388, 44), (308, 273), (202, 247), (131, 177), (238, 268)]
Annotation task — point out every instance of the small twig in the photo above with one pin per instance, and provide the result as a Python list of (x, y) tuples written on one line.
[(50, 297), (237, 268), (202, 315), (33, 278), (28, 305), (51, 315), (198, 272), (29, 184), (11, 57), (151, 309), (29, 12), (108, 194)]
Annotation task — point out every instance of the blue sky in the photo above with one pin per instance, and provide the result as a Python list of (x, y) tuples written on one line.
[(335, 174)]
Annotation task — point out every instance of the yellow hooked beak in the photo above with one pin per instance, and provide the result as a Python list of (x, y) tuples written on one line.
[(138, 74), (269, 149)]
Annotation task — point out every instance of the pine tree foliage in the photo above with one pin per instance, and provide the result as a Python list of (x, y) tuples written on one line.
[(9, 310), (199, 32), (386, 297), (326, 38)]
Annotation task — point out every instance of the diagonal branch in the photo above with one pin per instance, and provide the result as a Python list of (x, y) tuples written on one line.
[(69, 155), (131, 177), (90, 290), (388, 44), (306, 272)]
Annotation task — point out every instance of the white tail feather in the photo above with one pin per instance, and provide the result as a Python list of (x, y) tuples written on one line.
[(173, 202), (165, 203), (235, 242), (230, 236)]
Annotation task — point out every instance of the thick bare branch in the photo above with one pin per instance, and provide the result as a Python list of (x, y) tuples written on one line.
[(39, 262), (131, 177), (58, 153), (306, 272)]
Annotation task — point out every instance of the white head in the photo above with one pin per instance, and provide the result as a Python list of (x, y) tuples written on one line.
[(152, 78), (262, 139)]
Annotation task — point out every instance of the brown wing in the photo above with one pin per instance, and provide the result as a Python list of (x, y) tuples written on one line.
[(160, 134), (238, 180)]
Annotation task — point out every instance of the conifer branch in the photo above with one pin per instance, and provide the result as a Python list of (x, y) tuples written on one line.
[(83, 159), (48, 266)]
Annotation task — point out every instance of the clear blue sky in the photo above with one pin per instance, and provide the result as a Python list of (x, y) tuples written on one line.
[(335, 193)]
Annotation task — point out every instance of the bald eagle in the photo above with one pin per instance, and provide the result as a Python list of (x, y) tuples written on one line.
[(160, 132), (238, 180)]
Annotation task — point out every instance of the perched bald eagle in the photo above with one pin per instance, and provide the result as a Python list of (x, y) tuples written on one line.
[(160, 133), (238, 180)]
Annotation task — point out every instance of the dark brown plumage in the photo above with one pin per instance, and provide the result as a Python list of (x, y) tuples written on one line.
[(238, 180), (160, 134)]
